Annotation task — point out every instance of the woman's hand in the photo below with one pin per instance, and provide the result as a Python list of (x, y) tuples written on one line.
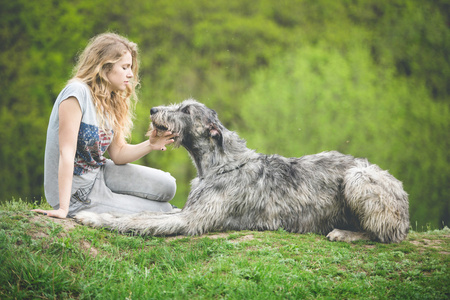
[(58, 213), (123, 153), (158, 142)]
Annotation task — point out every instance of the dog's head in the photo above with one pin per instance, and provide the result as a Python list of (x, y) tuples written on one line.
[(192, 122)]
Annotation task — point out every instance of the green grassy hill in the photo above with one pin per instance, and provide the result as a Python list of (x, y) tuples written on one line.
[(49, 258)]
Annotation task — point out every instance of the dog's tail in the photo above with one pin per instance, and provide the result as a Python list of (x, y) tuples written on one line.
[(146, 223), (378, 200)]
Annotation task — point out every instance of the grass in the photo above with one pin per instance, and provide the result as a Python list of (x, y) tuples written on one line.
[(43, 258)]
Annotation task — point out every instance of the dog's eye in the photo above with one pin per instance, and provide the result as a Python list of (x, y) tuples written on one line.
[(185, 110)]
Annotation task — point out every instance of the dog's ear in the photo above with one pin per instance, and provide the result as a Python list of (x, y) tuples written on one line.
[(215, 132), (218, 133)]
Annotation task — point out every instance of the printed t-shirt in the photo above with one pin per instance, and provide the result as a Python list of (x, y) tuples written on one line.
[(92, 143)]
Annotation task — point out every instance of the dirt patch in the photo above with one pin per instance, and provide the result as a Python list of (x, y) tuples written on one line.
[(40, 222), (225, 235), (440, 244), (244, 238), (369, 246), (426, 243), (67, 224), (88, 248), (218, 235), (214, 236)]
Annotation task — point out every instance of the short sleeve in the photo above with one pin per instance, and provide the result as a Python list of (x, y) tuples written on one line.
[(79, 90)]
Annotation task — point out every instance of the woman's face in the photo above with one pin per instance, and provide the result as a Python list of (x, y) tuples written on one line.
[(120, 74)]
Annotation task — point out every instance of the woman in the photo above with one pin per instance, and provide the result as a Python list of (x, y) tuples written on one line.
[(91, 115)]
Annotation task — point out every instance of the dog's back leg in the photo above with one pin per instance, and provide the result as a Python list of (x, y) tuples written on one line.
[(348, 236), (378, 201)]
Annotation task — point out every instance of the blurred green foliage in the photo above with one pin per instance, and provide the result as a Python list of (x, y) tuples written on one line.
[(365, 77)]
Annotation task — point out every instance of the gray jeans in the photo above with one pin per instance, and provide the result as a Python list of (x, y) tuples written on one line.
[(125, 189)]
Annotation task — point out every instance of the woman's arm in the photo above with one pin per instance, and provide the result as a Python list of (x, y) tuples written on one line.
[(69, 125), (123, 153)]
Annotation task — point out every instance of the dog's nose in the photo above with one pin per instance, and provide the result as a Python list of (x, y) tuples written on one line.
[(153, 110)]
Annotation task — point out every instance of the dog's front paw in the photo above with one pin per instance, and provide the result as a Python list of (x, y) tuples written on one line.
[(88, 218)]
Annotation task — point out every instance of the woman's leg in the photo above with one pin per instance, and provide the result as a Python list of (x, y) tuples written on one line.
[(140, 181), (103, 199)]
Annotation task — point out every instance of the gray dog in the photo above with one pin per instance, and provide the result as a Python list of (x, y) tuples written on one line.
[(238, 189)]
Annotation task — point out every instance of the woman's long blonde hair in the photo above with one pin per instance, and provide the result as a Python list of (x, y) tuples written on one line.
[(94, 63)]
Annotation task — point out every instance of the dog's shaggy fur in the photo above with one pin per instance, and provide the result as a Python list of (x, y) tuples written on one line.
[(238, 189)]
